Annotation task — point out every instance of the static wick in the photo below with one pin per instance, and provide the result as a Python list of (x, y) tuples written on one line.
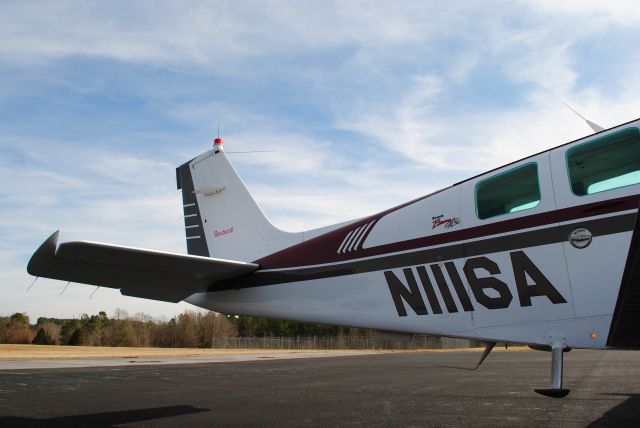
[(65, 287), (94, 292), (34, 281)]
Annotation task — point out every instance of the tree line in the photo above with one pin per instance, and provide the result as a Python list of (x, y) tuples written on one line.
[(190, 329)]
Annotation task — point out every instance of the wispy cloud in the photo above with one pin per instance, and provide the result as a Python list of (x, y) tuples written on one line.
[(365, 105)]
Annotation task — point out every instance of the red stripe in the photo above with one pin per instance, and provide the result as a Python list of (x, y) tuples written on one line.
[(322, 249)]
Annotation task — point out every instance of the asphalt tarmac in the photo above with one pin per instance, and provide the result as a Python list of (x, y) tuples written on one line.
[(399, 389)]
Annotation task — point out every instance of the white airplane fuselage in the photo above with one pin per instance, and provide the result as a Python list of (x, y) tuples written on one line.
[(544, 251), (453, 264)]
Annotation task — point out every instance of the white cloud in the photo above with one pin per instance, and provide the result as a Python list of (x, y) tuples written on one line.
[(197, 31), (204, 32), (623, 12), (390, 74), (536, 56)]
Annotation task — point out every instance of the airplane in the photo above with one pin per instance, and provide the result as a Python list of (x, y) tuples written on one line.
[(542, 251)]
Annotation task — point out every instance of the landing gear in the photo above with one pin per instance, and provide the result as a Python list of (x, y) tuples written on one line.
[(556, 390)]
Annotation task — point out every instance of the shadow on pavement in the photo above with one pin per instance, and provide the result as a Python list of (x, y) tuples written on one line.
[(624, 414), (106, 419)]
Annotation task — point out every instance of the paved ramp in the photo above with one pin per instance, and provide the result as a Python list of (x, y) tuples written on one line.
[(400, 389)]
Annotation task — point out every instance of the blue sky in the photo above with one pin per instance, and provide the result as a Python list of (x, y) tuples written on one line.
[(366, 105)]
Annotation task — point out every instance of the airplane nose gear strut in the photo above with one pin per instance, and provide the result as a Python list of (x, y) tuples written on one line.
[(558, 348)]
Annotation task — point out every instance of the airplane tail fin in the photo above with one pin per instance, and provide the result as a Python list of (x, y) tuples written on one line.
[(221, 217)]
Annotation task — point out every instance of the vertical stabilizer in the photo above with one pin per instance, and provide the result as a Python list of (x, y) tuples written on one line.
[(221, 217)]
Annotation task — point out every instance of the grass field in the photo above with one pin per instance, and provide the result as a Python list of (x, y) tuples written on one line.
[(15, 352), (18, 352)]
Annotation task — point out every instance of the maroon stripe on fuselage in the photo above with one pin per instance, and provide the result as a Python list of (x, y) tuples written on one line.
[(323, 249)]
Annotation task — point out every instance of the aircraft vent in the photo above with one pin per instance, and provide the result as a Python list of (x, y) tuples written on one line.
[(355, 238)]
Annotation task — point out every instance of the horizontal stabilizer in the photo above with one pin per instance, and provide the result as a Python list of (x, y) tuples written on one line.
[(136, 272)]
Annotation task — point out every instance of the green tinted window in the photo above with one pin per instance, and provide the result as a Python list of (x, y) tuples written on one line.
[(509, 192), (608, 163)]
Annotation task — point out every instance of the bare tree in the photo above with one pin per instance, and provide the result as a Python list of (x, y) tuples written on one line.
[(3, 329), (53, 331), (17, 329), (188, 329), (142, 329)]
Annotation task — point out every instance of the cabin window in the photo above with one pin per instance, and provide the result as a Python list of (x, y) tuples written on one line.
[(515, 190), (608, 163)]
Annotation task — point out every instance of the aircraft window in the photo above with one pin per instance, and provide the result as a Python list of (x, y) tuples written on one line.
[(512, 191), (605, 164)]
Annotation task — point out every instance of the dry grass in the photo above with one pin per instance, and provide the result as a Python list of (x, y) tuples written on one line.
[(20, 352), (15, 352)]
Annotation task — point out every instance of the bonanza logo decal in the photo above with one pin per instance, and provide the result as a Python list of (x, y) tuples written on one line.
[(448, 223)]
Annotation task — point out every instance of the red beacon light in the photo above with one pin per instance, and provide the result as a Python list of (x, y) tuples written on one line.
[(217, 144)]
